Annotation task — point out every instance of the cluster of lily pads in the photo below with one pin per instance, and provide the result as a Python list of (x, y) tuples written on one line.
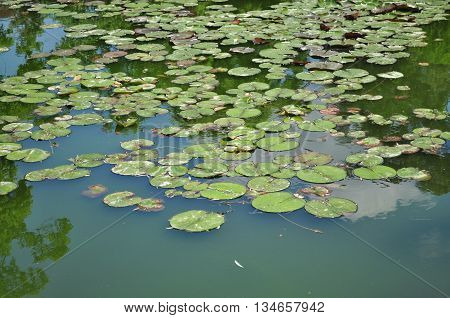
[(323, 38)]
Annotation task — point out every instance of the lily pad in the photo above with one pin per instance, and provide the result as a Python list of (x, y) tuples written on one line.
[(330, 208), (223, 191), (197, 221), (133, 168), (278, 202), (375, 172), (7, 187), (150, 205), (244, 71), (322, 174), (121, 199), (413, 173), (268, 184), (363, 159), (277, 144)]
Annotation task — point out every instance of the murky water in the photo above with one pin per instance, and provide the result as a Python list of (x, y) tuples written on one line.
[(54, 242)]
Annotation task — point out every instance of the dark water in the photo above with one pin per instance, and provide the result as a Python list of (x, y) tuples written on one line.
[(54, 242)]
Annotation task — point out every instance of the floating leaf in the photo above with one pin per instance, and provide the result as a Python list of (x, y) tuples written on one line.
[(375, 172), (413, 173), (268, 184), (134, 168), (223, 191), (277, 144), (278, 202), (330, 208), (150, 205), (243, 71), (363, 159), (312, 158), (322, 174), (197, 221), (121, 199), (7, 187)]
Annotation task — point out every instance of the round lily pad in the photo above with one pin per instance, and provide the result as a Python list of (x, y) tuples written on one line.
[(133, 168), (136, 144), (197, 221), (7, 187), (150, 205), (278, 202), (277, 144), (244, 71), (243, 112), (223, 191), (330, 208), (29, 155), (251, 169), (268, 184), (364, 159), (375, 172), (168, 182), (322, 174), (312, 158), (413, 173), (121, 199)]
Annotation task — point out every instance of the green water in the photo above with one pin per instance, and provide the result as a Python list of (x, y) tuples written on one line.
[(54, 242)]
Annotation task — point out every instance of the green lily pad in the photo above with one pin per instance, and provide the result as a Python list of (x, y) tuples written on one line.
[(315, 76), (89, 160), (322, 174), (268, 184), (244, 71), (364, 159), (426, 143), (277, 144), (375, 172), (197, 221), (136, 144), (312, 158), (390, 75), (17, 127), (251, 169), (316, 125), (133, 168), (351, 73), (74, 174), (385, 151), (330, 208), (121, 199), (150, 205), (168, 182), (7, 187), (208, 170), (278, 202), (28, 155), (223, 191), (413, 173), (273, 126), (243, 112)]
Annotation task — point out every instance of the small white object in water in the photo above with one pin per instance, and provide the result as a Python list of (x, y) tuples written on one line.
[(237, 264)]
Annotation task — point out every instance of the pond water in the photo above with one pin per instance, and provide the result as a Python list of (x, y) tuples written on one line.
[(56, 242)]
